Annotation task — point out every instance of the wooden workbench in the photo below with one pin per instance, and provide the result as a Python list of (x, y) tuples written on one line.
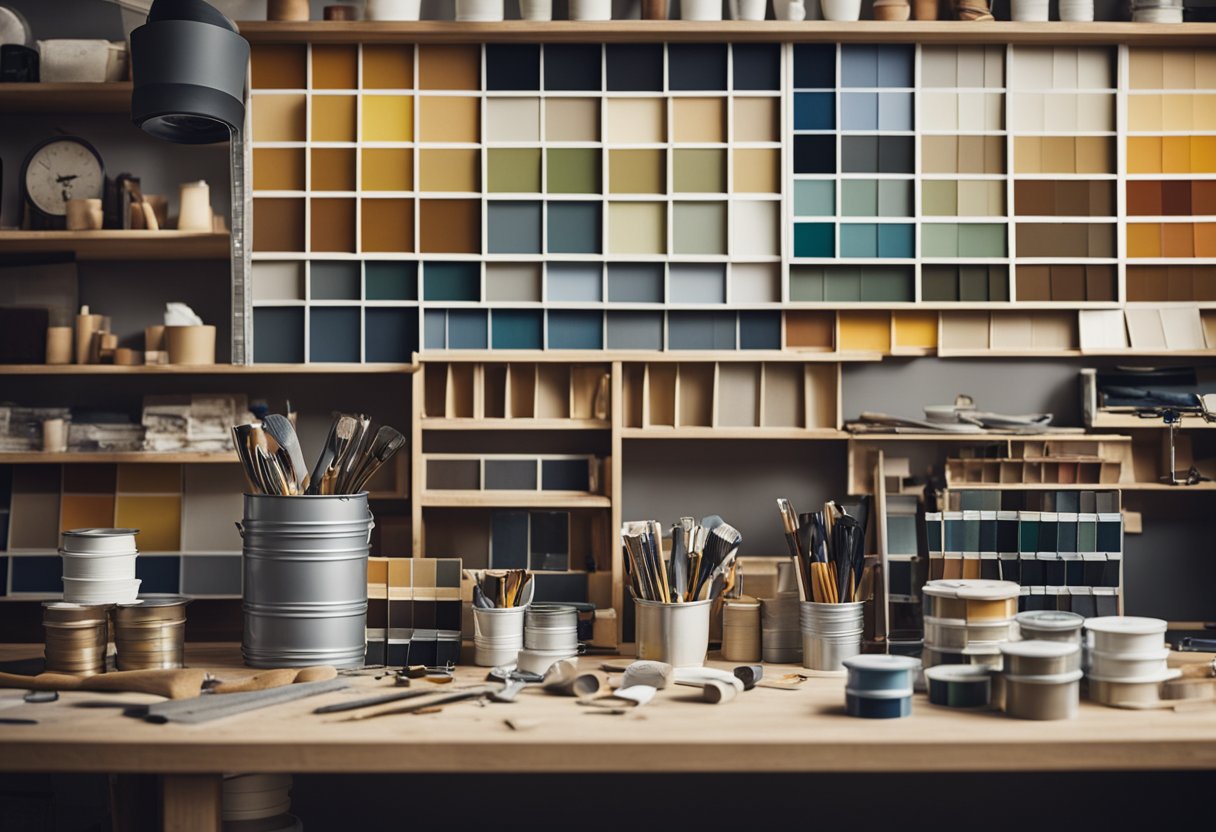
[(764, 730)]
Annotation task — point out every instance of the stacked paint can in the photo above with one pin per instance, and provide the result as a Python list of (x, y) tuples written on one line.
[(99, 566), (741, 629), (550, 635), (498, 635), (831, 633), (967, 621), (1127, 659), (258, 803), (959, 685), (1042, 679), (1050, 625), (880, 687), (76, 637), (780, 635), (151, 633), (305, 580)]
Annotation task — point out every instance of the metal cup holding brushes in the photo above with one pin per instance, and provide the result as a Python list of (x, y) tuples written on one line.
[(673, 598)]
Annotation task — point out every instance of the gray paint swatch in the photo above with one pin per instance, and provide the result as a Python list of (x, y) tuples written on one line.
[(635, 283), (514, 227), (574, 282), (510, 475), (635, 330), (698, 283)]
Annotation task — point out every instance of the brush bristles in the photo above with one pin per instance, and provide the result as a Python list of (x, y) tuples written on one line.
[(346, 427)]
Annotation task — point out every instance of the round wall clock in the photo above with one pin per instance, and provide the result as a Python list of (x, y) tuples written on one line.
[(56, 170)]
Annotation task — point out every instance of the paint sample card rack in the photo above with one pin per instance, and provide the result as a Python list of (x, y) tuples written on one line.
[(413, 611), (704, 399), (1065, 548), (533, 478), (1044, 462), (518, 395)]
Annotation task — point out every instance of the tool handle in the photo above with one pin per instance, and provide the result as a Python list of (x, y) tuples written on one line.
[(277, 678), (43, 681), (181, 683)]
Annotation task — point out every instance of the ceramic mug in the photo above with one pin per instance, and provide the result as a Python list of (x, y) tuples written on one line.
[(478, 10), (700, 9), (536, 9), (591, 9), (393, 9), (84, 214), (748, 9), (841, 10)]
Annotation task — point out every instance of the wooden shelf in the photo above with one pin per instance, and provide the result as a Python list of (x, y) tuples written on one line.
[(199, 369), (436, 423), (600, 356), (981, 437), (866, 31), (733, 433), (118, 245), (73, 457), (66, 98), (513, 499), (1079, 486), (1130, 421)]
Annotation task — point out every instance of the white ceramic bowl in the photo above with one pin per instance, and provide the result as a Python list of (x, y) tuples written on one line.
[(1128, 666), (98, 541), (89, 591)]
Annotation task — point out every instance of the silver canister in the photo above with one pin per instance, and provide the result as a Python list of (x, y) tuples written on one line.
[(677, 634), (831, 633), (151, 633), (551, 627), (305, 580), (741, 630), (77, 636), (780, 636)]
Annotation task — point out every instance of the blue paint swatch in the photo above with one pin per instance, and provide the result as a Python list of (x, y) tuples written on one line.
[(701, 330), (815, 66), (389, 335), (38, 574), (698, 283), (435, 329), (576, 329), (696, 66), (895, 111), (634, 66), (513, 227), (278, 335), (814, 239), (759, 330), (859, 111), (757, 66), (574, 227), (451, 281), (573, 66), (814, 111), (858, 240), (160, 574), (815, 154), (574, 282), (467, 329), (390, 281), (334, 334), (896, 240), (518, 329)]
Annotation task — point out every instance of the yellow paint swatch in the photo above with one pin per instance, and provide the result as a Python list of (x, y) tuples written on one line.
[(1144, 112), (388, 118), (279, 118), (757, 120), (1203, 154), (1144, 154), (86, 511), (698, 120), (444, 119), (450, 170), (636, 120), (388, 169), (915, 330), (636, 172), (1176, 154), (333, 118), (757, 171), (1143, 240), (157, 518), (637, 228), (864, 332)]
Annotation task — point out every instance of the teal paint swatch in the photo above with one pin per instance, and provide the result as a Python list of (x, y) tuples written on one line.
[(815, 198), (574, 227), (576, 329), (517, 329), (814, 239), (390, 281), (896, 240), (858, 240), (451, 281), (466, 329)]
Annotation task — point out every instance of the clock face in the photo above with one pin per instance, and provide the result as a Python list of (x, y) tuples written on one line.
[(61, 170)]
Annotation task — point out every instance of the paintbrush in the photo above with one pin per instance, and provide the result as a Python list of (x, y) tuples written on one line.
[(789, 520), (240, 442), (325, 472), (387, 443), (280, 429), (681, 540)]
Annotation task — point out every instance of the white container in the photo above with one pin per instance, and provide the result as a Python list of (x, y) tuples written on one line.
[(1043, 697), (795, 10), (677, 634), (591, 9), (536, 9), (118, 566), (957, 633), (1157, 14), (80, 60), (494, 654), (539, 661), (841, 10), (392, 10), (194, 212), (748, 9), (478, 11), (1077, 11), (1040, 658), (700, 9), (1140, 692), (1127, 667), (1030, 11), (99, 541), (90, 591), (498, 623), (1125, 634)]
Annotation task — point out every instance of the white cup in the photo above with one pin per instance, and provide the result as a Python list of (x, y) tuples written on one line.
[(841, 10), (536, 9), (748, 9), (54, 436), (1077, 11), (479, 11), (700, 9), (1029, 11), (393, 10)]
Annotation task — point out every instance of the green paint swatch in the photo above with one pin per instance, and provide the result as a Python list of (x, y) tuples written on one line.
[(514, 170), (699, 171), (815, 198), (859, 198), (939, 198), (699, 228), (636, 172), (574, 170)]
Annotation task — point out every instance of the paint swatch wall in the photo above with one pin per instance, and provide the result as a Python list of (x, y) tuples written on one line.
[(697, 196)]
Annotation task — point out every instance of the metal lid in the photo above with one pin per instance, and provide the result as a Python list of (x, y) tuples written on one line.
[(100, 532), (156, 601), (973, 589), (1049, 620), (1126, 625), (1040, 649), (964, 673), (879, 662)]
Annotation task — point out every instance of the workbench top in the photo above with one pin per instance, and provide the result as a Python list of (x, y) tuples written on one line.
[(762, 730)]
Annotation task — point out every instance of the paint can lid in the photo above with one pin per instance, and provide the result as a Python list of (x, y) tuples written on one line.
[(880, 662), (1034, 649), (1049, 620), (1143, 656), (902, 693), (1126, 624), (973, 589), (965, 673)]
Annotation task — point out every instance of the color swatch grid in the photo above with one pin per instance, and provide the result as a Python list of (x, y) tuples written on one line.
[(583, 190), (713, 196), (1171, 187), (187, 540)]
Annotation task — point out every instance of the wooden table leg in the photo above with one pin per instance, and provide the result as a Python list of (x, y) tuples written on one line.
[(191, 802)]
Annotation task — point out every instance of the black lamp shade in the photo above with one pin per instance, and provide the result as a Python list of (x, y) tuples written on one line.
[(189, 65)]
